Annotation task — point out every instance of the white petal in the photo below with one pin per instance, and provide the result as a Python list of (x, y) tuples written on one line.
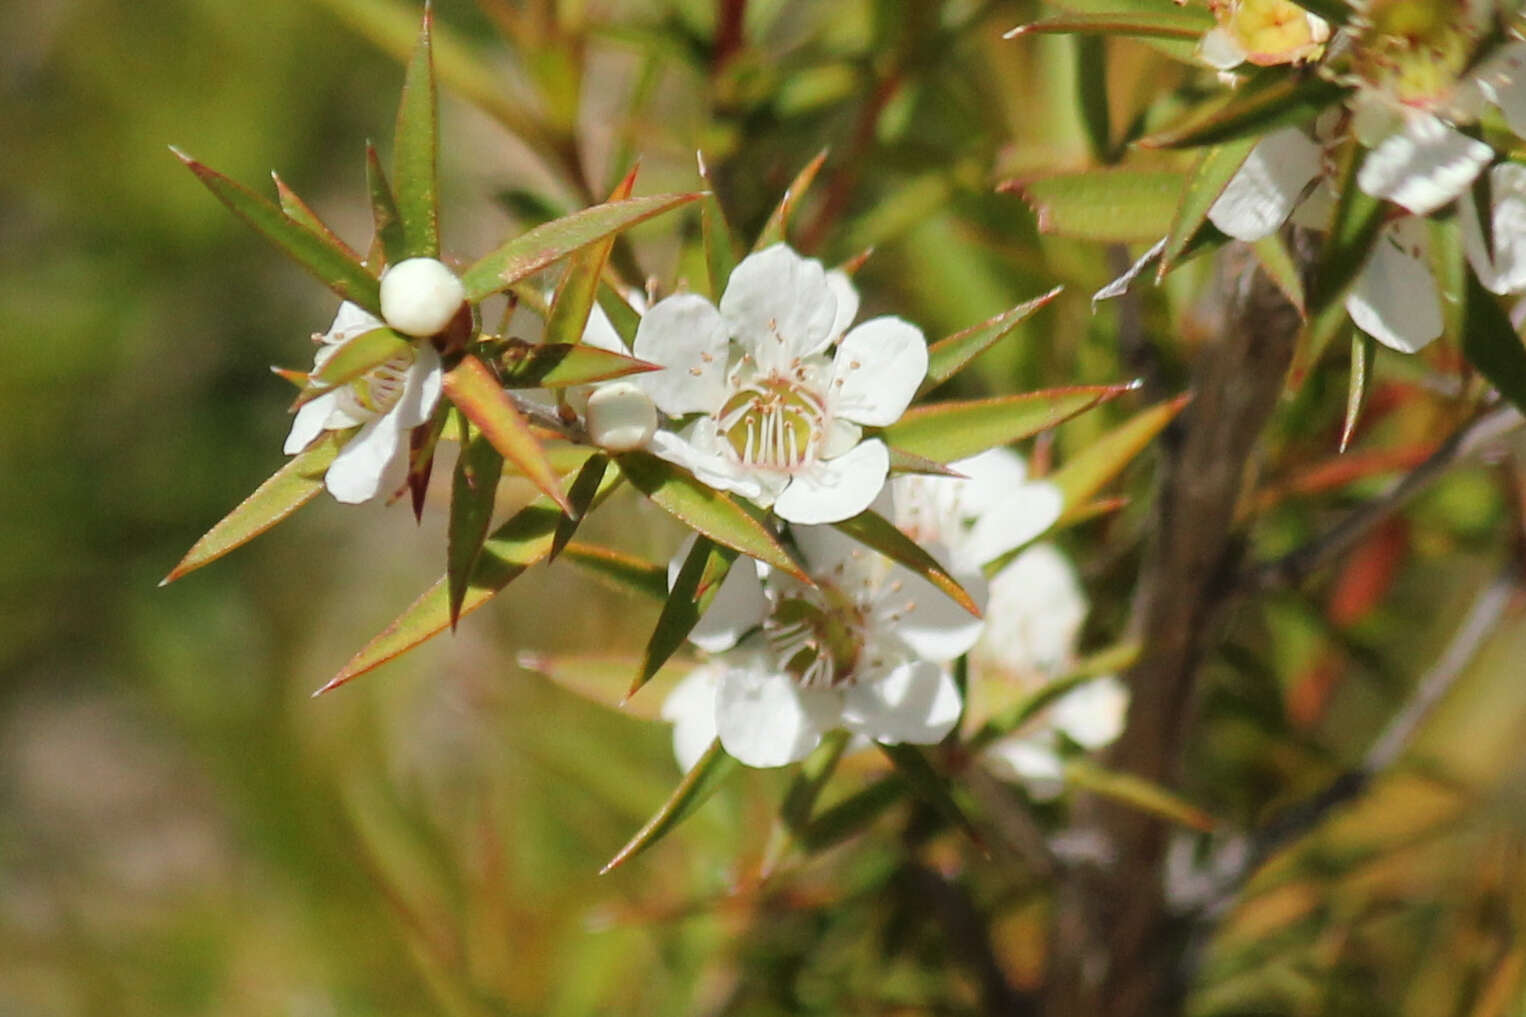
[(1218, 49), (600, 332), (690, 708), (1022, 516), (779, 306), (831, 554), (309, 422), (1423, 166), (366, 461), (877, 370), (1263, 192), (684, 334), (1503, 79), (350, 321), (989, 478), (1092, 715), (421, 390), (1032, 761), (1506, 271), (1394, 298), (739, 605), (1036, 610), (846, 296), (767, 720), (832, 490), (927, 619), (709, 467), (917, 702)]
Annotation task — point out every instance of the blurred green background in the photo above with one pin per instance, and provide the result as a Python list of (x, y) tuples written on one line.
[(184, 831)]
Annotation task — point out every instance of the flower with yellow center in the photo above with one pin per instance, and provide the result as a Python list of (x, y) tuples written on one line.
[(1262, 32)]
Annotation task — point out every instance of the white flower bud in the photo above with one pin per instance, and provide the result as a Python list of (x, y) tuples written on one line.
[(420, 296), (621, 417)]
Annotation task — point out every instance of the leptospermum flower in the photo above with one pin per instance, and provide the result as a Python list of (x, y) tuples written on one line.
[(385, 404), (1262, 32), (777, 419), (1394, 298), (865, 649), (1502, 270)]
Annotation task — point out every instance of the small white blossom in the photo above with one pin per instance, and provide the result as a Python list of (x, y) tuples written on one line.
[(1262, 32), (420, 296), (385, 403), (1504, 269), (779, 420)]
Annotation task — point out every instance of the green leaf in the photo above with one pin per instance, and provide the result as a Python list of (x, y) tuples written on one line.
[(1360, 381), (955, 430), (852, 815), (332, 265), (472, 389), (1273, 257), (713, 513), (622, 572), (1112, 206), (720, 242), (621, 315), (353, 358), (584, 487), (422, 441), (1355, 226), (603, 679), (386, 220), (704, 569), (1091, 95), (1276, 99), (948, 356), (291, 487), (516, 545), (775, 231), (299, 212), (473, 491), (580, 283), (1087, 471), (1491, 344), (558, 365), (415, 145), (549, 242), (1207, 180), (875, 531), (1138, 793), (698, 785), (800, 800), (929, 785), (905, 462), (1185, 23)]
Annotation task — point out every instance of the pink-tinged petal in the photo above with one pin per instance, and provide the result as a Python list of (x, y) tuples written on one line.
[(832, 490), (1423, 166), (779, 307), (878, 368), (367, 463), (738, 606), (1038, 606), (916, 703), (1219, 50), (1505, 272), (1024, 515), (1394, 298), (1266, 188), (310, 421), (421, 391), (1031, 761), (927, 619), (685, 334), (690, 708), (1093, 715), (846, 296), (767, 720)]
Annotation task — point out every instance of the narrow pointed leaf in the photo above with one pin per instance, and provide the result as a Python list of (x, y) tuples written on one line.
[(698, 785), (720, 241), (800, 800), (621, 315), (1275, 260), (1354, 229), (1187, 24), (713, 513), (473, 490), (352, 359), (852, 815), (422, 441), (1138, 793), (704, 568), (545, 244), (291, 487), (929, 785), (471, 387), (1206, 181), (1089, 470), (905, 462), (558, 365), (623, 572), (1111, 206), (580, 284), (1360, 381), (955, 430), (330, 264), (1491, 344), (1090, 75), (299, 212), (603, 679), (776, 230), (414, 152), (1288, 100), (386, 220), (585, 485), (878, 533), (520, 542), (948, 356)]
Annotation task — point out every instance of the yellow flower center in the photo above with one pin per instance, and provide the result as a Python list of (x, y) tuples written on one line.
[(774, 422), (819, 638), (1273, 31), (1415, 49)]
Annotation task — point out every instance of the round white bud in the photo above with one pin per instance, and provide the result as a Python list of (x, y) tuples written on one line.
[(420, 296), (621, 417)]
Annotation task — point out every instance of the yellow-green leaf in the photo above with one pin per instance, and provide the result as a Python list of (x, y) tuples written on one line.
[(558, 365), (473, 490), (1112, 206), (472, 389), (1089, 470), (415, 144), (948, 431), (775, 231), (698, 784), (948, 356)]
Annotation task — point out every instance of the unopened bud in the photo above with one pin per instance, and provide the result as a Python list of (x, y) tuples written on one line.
[(621, 417), (420, 296)]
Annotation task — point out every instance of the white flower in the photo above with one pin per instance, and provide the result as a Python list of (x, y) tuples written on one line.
[(865, 649), (1395, 297), (779, 420), (385, 403), (1503, 270), (420, 296), (1263, 32)]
